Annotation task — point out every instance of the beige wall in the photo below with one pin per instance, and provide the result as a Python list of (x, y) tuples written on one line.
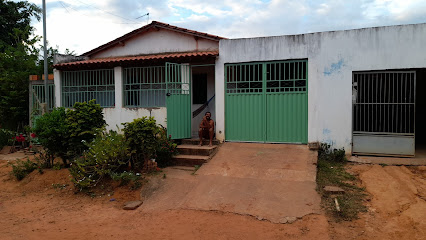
[(159, 41)]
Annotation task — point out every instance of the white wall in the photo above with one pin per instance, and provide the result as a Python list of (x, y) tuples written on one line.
[(114, 117), (159, 41), (332, 57), (58, 85), (117, 115)]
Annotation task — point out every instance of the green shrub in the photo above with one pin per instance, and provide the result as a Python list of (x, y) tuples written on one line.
[(64, 133), (166, 148), (5, 137), (125, 177), (107, 154), (52, 133), (83, 122), (142, 136), (20, 169), (44, 159), (327, 153)]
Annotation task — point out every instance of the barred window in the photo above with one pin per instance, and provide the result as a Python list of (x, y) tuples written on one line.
[(83, 86), (244, 78), (287, 76), (278, 77), (144, 86)]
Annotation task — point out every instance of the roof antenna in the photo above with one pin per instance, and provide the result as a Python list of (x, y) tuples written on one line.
[(146, 14)]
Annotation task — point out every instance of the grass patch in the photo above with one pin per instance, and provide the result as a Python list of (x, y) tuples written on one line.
[(331, 172), (21, 168), (196, 167)]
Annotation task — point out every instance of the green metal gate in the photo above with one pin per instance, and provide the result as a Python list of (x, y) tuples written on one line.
[(267, 101), (178, 88), (37, 97)]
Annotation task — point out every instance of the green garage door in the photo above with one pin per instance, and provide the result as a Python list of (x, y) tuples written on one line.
[(267, 102)]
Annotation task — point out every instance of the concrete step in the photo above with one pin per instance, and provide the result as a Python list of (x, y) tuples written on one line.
[(204, 150), (189, 160), (194, 141)]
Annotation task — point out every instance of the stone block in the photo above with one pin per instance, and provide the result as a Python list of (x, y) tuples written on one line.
[(132, 205)]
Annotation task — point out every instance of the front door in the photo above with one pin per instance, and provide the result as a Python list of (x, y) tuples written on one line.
[(178, 82)]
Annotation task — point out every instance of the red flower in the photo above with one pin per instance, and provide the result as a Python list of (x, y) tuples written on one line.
[(158, 169), (33, 135), (20, 138)]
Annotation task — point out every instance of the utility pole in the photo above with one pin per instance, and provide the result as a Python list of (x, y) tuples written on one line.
[(46, 73)]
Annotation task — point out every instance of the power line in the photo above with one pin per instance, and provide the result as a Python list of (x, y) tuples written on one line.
[(131, 20), (64, 7), (67, 6), (146, 14)]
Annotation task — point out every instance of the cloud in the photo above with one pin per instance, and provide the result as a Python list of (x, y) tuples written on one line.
[(85, 24)]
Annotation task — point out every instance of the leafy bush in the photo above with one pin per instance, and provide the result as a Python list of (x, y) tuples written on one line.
[(327, 153), (64, 133), (20, 169), (83, 122), (5, 137), (107, 154), (44, 159), (142, 135), (166, 148), (125, 177), (52, 133)]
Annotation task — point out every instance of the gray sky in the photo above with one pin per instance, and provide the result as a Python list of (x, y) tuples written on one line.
[(82, 25)]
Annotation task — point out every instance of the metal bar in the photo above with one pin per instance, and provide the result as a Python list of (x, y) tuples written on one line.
[(383, 133), (363, 100), (405, 100), (393, 100), (384, 103)]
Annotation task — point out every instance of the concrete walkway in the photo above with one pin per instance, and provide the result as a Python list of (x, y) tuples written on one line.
[(275, 182)]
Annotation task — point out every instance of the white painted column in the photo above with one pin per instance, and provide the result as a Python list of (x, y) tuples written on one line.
[(118, 78), (58, 87), (220, 100)]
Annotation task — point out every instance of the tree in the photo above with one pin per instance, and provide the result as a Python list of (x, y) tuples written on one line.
[(18, 59), (16, 16)]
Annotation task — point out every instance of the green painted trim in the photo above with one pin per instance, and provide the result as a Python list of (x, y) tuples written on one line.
[(85, 85)]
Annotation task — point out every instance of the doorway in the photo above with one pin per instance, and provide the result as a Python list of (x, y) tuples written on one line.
[(203, 95), (388, 113), (421, 113)]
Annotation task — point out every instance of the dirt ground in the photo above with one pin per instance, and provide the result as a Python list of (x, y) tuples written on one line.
[(46, 207), (396, 204)]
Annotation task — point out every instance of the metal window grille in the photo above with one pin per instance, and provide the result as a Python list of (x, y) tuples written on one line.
[(384, 102), (287, 76), (144, 86), (244, 78), (179, 78), (83, 86), (280, 76)]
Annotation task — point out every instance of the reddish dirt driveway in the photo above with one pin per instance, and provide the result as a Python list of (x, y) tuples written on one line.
[(35, 209), (275, 182)]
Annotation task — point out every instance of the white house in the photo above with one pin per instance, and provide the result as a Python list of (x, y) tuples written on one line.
[(358, 89), (133, 75)]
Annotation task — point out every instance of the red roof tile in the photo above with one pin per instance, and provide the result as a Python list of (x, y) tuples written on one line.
[(145, 28), (164, 56)]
